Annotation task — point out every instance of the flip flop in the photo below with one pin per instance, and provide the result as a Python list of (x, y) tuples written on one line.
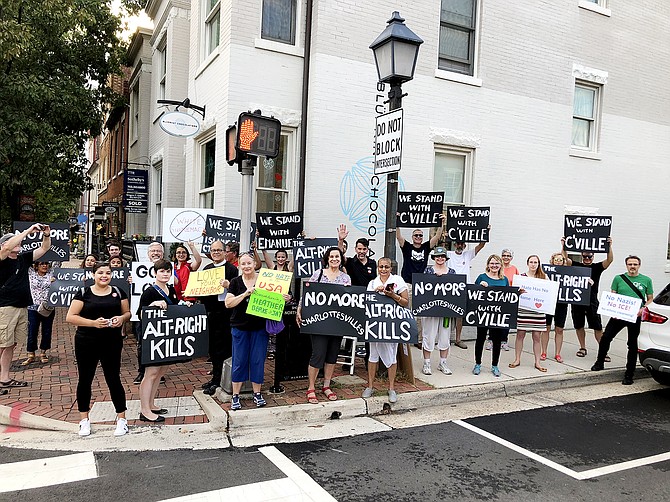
[(558, 358), (540, 368), (512, 365), (543, 357), (582, 352), (13, 383)]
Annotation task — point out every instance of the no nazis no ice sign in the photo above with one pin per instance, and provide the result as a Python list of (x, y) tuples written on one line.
[(388, 142)]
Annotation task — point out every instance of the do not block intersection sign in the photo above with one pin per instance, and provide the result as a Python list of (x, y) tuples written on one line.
[(388, 142)]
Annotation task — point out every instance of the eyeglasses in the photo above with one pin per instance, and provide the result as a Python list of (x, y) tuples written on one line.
[(507, 256), (383, 266), (216, 250)]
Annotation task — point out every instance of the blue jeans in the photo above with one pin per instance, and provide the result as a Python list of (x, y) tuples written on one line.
[(249, 351), (34, 322)]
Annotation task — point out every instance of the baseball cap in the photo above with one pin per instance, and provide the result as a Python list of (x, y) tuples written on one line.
[(5, 238), (439, 251)]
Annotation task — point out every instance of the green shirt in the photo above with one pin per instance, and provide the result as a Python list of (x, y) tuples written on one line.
[(641, 282)]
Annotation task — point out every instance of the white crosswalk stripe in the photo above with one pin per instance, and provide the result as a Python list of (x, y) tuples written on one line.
[(48, 471)]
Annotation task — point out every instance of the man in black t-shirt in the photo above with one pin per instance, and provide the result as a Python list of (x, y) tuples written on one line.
[(361, 268), (415, 253), (15, 296), (589, 313)]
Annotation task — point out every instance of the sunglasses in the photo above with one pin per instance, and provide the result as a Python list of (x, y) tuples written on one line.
[(383, 266), (417, 235)]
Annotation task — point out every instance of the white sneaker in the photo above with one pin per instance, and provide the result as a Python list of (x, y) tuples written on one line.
[(444, 368), (505, 346), (489, 345), (427, 369), (121, 427), (84, 427), (367, 392)]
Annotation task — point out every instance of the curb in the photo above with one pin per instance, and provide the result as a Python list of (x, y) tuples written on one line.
[(14, 418), (217, 416)]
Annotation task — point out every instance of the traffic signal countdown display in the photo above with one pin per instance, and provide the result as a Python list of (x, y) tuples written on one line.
[(258, 135)]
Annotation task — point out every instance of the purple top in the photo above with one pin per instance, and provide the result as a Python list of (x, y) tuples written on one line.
[(320, 276)]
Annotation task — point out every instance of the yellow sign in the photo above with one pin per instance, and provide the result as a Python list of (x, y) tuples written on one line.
[(206, 282), (274, 281)]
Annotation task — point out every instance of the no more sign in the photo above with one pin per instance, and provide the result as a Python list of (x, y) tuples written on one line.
[(388, 142)]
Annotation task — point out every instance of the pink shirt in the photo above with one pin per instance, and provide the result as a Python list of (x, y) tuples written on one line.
[(510, 272)]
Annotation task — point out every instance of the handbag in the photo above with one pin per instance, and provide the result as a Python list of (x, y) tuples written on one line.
[(274, 327), (45, 309)]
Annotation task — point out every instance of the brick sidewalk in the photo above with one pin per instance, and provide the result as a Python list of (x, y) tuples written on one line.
[(51, 391)]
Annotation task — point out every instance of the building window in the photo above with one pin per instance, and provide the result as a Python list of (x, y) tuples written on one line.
[(212, 25), (135, 111), (585, 112), (276, 178), (207, 175), (452, 174), (162, 71), (457, 36), (279, 20), (158, 203)]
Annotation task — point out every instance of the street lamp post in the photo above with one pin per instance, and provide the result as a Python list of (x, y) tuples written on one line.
[(396, 50)]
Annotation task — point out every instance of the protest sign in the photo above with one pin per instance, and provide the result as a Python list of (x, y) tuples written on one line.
[(574, 283), (60, 238), (468, 224), (119, 279), (619, 306), (68, 282), (419, 209), (266, 304), (587, 233), (388, 322), (307, 255), (183, 224), (275, 281), (540, 296), (178, 333), (220, 228), (332, 309), (206, 282), (492, 307), (143, 275), (278, 230), (439, 295)]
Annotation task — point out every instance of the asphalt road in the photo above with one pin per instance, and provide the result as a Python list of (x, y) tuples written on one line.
[(538, 454)]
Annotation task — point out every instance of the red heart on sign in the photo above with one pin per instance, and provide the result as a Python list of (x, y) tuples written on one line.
[(538, 305)]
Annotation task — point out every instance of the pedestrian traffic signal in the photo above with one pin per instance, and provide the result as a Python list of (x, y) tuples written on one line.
[(258, 135), (231, 150)]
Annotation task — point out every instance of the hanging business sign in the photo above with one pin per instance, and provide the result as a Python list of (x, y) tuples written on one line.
[(179, 124)]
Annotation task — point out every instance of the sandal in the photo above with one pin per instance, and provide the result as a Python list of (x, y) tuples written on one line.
[(608, 359), (311, 397), (558, 358), (13, 383), (540, 368), (543, 356), (582, 352), (329, 394), (31, 359), (44, 358)]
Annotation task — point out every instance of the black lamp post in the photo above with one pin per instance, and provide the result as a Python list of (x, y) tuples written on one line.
[(396, 51)]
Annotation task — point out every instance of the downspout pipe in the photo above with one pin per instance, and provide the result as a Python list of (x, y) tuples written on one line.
[(305, 96)]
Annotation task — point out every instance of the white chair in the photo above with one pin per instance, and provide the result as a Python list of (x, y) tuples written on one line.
[(349, 356)]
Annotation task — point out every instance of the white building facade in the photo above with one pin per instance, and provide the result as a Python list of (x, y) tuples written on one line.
[(537, 109)]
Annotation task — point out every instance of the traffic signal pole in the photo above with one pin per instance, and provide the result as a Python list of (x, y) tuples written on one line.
[(247, 171)]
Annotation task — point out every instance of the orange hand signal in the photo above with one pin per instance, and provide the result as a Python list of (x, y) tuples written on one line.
[(247, 134)]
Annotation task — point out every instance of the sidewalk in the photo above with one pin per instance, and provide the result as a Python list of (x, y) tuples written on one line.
[(52, 386)]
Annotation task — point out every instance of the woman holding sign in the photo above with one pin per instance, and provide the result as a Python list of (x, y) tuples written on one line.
[(325, 348), (529, 320), (99, 312), (250, 339), (395, 288), (160, 294), (559, 317), (494, 276), (183, 267)]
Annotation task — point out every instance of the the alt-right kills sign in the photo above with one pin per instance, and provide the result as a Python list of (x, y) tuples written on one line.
[(388, 142)]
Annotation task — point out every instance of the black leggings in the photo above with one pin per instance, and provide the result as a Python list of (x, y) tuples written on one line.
[(106, 350), (496, 336)]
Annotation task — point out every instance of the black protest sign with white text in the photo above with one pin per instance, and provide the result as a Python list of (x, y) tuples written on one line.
[(60, 238), (307, 255), (278, 230), (119, 279), (333, 309), (221, 228), (587, 233), (574, 283), (419, 209), (177, 334), (388, 322), (439, 295), (492, 307), (468, 224), (68, 282)]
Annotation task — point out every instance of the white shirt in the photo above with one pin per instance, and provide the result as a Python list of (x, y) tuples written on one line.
[(461, 262), (399, 284)]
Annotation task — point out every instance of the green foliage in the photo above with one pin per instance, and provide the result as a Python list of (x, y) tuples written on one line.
[(133, 6), (55, 59)]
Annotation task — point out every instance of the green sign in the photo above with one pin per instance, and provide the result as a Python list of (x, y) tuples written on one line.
[(265, 304)]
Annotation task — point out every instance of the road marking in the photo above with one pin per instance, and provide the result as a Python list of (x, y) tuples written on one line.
[(580, 475), (47, 472)]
